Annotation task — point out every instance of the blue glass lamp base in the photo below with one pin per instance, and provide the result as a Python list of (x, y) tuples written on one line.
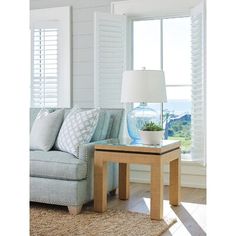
[(135, 141), (137, 117)]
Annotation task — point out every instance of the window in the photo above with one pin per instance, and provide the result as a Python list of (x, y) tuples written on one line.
[(45, 67), (166, 44), (50, 39), (147, 45), (177, 67)]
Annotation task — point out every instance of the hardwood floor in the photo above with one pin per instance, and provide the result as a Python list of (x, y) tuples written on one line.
[(190, 215)]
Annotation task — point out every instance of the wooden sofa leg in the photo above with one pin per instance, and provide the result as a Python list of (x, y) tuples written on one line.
[(74, 210)]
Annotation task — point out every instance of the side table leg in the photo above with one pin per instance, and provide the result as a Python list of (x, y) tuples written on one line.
[(156, 191), (175, 179), (123, 181), (100, 183)]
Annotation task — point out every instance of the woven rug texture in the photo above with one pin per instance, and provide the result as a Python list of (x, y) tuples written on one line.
[(48, 221)]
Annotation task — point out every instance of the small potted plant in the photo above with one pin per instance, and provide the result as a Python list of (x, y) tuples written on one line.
[(151, 133)]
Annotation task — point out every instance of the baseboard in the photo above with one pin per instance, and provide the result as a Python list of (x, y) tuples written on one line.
[(193, 176)]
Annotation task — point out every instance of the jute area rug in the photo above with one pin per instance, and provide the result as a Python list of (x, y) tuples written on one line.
[(46, 221)]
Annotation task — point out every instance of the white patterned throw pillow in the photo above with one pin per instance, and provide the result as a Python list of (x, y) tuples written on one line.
[(77, 128)]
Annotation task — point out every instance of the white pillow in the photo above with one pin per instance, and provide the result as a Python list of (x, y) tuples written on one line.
[(45, 129), (77, 128)]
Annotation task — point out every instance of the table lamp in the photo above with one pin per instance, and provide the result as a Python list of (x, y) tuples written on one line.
[(142, 86)]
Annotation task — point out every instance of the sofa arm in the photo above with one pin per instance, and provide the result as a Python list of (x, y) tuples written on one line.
[(86, 153), (86, 150)]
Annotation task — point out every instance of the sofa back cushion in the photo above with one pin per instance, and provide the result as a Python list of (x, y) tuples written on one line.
[(102, 126), (109, 123)]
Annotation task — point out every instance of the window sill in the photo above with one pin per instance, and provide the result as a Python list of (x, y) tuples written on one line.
[(187, 160), (192, 163)]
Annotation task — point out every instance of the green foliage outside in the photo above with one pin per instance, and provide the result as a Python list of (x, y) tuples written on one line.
[(179, 129), (185, 143)]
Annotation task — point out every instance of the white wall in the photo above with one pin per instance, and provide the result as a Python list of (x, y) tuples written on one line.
[(82, 43)]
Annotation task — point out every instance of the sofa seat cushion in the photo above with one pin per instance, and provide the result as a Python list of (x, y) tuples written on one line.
[(57, 165)]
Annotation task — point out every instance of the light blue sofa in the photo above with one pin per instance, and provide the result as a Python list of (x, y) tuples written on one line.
[(60, 178)]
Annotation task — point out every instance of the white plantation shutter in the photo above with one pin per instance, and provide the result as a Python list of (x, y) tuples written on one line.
[(44, 92), (109, 61), (51, 57), (198, 83)]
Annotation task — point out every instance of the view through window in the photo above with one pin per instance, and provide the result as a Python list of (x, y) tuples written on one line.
[(166, 44)]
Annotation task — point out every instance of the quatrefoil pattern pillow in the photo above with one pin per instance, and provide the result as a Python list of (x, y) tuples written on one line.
[(77, 128)]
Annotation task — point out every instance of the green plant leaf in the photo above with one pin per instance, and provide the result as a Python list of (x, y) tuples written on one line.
[(151, 126)]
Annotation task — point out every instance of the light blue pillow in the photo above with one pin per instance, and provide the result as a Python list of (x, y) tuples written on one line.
[(102, 126)]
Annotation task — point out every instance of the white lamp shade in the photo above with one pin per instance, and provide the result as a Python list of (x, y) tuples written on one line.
[(143, 86)]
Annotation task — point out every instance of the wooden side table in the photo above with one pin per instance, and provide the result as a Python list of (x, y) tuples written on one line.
[(124, 154)]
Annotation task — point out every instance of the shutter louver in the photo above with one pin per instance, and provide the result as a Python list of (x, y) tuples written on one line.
[(109, 50), (44, 87), (198, 84)]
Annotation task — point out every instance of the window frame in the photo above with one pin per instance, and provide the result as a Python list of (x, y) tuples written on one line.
[(62, 17)]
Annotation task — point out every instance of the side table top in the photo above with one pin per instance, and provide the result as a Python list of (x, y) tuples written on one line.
[(125, 146)]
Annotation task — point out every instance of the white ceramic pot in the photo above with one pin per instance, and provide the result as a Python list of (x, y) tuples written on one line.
[(151, 137)]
